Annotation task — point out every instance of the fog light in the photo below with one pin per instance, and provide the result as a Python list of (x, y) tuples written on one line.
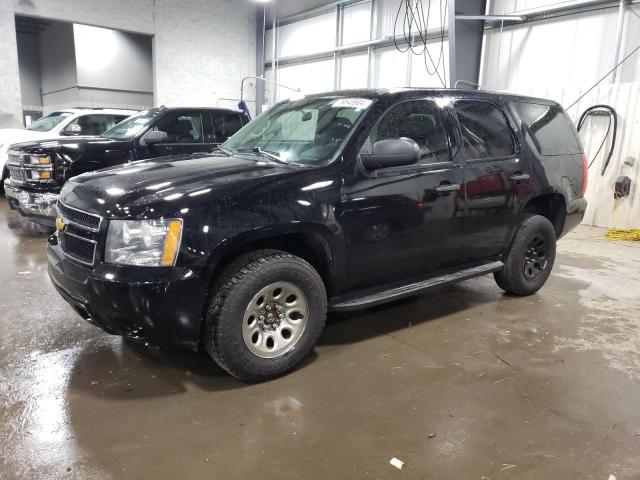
[(44, 175)]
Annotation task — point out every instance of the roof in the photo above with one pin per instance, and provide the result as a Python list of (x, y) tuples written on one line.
[(123, 111), (374, 94), (213, 109)]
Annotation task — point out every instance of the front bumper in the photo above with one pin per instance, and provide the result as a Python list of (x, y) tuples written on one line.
[(161, 305), (38, 206)]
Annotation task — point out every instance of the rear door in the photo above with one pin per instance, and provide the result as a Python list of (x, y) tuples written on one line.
[(225, 125), (497, 177)]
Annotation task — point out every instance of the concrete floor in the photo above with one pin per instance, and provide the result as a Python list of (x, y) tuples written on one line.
[(460, 383)]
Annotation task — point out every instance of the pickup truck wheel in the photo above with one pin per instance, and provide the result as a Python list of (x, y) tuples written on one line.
[(268, 311), (3, 177), (530, 258)]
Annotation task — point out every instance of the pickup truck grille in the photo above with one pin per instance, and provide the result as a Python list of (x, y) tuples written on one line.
[(84, 219), (18, 174), (78, 248), (78, 238), (22, 170)]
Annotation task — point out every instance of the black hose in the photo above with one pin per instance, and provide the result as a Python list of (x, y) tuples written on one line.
[(599, 110)]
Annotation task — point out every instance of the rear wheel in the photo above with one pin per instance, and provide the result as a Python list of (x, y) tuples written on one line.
[(267, 313), (530, 258)]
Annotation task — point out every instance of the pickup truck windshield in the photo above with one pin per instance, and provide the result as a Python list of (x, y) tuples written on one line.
[(129, 128), (49, 122), (307, 131)]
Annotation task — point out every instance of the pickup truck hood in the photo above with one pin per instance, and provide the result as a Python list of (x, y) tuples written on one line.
[(9, 136), (71, 144), (165, 185)]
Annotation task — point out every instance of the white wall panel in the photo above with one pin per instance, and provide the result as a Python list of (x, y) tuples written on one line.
[(312, 77), (354, 71), (423, 73), (390, 70), (313, 35), (356, 23)]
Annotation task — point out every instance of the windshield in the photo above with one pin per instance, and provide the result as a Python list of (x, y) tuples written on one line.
[(306, 131), (130, 127), (49, 122)]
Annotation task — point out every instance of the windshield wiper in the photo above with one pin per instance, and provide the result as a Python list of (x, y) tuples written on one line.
[(223, 150), (263, 153)]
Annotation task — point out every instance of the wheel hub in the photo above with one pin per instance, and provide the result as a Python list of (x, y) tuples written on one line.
[(535, 258), (271, 316)]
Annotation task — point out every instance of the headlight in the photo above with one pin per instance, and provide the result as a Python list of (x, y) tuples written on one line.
[(151, 243), (38, 159)]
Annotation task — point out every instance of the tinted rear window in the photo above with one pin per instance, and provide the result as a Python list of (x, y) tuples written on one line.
[(549, 128)]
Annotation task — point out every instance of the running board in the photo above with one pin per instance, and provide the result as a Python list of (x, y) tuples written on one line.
[(403, 291)]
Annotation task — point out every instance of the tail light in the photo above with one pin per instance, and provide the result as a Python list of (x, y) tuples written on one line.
[(585, 175)]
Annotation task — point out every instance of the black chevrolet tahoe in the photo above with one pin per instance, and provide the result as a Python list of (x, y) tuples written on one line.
[(39, 169), (335, 201)]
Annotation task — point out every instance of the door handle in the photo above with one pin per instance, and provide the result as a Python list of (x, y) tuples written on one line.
[(520, 176), (448, 188)]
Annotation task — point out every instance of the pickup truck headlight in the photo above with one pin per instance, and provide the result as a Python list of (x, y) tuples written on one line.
[(149, 243), (38, 159)]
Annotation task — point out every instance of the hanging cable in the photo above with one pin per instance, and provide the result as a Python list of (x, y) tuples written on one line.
[(598, 111), (415, 25), (605, 76)]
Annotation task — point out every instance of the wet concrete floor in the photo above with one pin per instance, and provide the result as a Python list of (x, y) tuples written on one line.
[(461, 383)]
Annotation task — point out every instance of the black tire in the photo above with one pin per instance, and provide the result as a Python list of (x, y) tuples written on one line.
[(233, 292), (3, 177), (530, 258)]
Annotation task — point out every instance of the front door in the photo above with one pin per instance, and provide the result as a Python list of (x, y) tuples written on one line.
[(401, 222), (185, 134)]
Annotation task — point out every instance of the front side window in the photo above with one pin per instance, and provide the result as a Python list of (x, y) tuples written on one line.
[(485, 132), (49, 122), (421, 121), (181, 128), (307, 131), (132, 126)]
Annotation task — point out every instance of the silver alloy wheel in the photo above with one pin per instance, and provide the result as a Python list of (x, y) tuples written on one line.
[(275, 319)]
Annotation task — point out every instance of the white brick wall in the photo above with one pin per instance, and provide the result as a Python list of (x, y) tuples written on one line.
[(202, 48), (10, 102)]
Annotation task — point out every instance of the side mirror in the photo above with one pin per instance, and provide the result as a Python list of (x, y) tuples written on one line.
[(392, 152), (154, 136), (73, 129)]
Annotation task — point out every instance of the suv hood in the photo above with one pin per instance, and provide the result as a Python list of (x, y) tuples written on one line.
[(166, 185), (9, 136)]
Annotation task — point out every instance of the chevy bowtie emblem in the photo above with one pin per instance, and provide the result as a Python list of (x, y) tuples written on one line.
[(59, 224)]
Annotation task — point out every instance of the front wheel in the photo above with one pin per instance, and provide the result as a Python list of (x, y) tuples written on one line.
[(268, 311), (530, 258)]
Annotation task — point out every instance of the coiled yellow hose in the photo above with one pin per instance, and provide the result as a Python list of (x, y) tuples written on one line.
[(632, 234)]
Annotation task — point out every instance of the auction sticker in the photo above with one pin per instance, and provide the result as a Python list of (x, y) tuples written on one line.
[(357, 103)]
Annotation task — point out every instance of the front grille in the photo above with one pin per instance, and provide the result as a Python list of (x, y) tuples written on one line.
[(14, 157), (17, 174), (72, 215), (78, 248)]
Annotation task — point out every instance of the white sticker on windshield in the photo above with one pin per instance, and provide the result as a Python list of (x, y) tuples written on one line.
[(356, 103)]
